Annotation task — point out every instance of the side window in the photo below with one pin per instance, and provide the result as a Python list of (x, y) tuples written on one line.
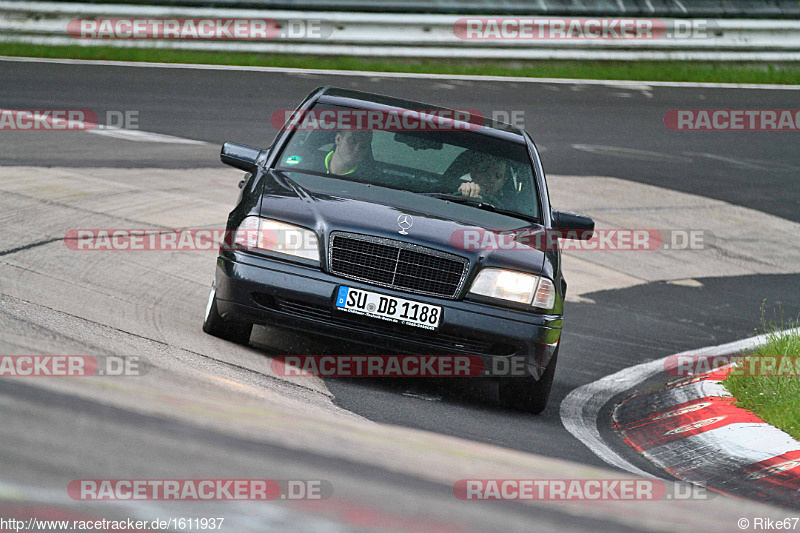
[(307, 150)]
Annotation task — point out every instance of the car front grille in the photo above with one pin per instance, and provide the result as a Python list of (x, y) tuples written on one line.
[(396, 264)]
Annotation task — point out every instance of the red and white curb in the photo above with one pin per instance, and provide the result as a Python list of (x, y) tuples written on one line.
[(692, 429)]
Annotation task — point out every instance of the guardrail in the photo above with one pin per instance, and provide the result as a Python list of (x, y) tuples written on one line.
[(551, 8), (407, 35)]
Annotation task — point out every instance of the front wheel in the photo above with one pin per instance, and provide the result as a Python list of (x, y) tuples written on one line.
[(214, 324), (527, 394)]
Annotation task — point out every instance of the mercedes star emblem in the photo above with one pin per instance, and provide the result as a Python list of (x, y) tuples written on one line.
[(405, 222)]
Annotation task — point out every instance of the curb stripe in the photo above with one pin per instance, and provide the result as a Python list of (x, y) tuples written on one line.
[(581, 408), (648, 433), (710, 441)]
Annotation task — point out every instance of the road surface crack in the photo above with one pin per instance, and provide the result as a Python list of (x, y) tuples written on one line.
[(29, 246)]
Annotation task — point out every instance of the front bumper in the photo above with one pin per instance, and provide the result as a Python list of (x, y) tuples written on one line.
[(271, 291)]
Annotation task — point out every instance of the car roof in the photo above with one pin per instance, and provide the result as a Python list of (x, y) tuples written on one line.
[(366, 100)]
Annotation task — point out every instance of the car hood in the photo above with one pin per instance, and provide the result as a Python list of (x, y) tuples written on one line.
[(327, 204)]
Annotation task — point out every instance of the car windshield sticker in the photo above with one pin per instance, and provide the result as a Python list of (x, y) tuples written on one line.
[(293, 160)]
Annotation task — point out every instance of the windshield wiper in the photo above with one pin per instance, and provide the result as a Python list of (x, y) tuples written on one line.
[(459, 199), (475, 202)]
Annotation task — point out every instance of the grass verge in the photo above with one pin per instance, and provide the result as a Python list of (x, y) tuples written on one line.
[(609, 70), (776, 399)]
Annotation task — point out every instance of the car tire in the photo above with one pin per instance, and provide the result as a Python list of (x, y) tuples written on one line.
[(527, 394), (214, 324)]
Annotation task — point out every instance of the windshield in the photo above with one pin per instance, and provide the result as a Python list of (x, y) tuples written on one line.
[(448, 162)]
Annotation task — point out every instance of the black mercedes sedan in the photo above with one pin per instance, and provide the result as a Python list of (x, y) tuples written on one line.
[(404, 227)]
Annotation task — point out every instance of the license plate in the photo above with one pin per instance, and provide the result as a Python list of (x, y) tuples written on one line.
[(390, 308)]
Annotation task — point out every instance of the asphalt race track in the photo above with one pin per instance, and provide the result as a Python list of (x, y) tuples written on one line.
[(209, 409)]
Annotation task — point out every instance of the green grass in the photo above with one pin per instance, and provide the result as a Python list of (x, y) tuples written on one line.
[(776, 399), (612, 70)]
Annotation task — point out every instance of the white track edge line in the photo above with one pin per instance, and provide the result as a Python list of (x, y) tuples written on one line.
[(371, 74)]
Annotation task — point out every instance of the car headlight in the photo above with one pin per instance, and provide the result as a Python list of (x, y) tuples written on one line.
[(514, 286), (275, 236)]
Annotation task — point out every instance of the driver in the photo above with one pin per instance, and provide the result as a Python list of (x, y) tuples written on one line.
[(487, 177)]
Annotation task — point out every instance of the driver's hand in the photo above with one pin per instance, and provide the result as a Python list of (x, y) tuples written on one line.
[(471, 189)]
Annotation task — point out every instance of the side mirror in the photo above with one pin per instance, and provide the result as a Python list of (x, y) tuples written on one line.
[(572, 226), (239, 156)]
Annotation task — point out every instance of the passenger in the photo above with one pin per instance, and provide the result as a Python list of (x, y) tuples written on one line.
[(351, 149)]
